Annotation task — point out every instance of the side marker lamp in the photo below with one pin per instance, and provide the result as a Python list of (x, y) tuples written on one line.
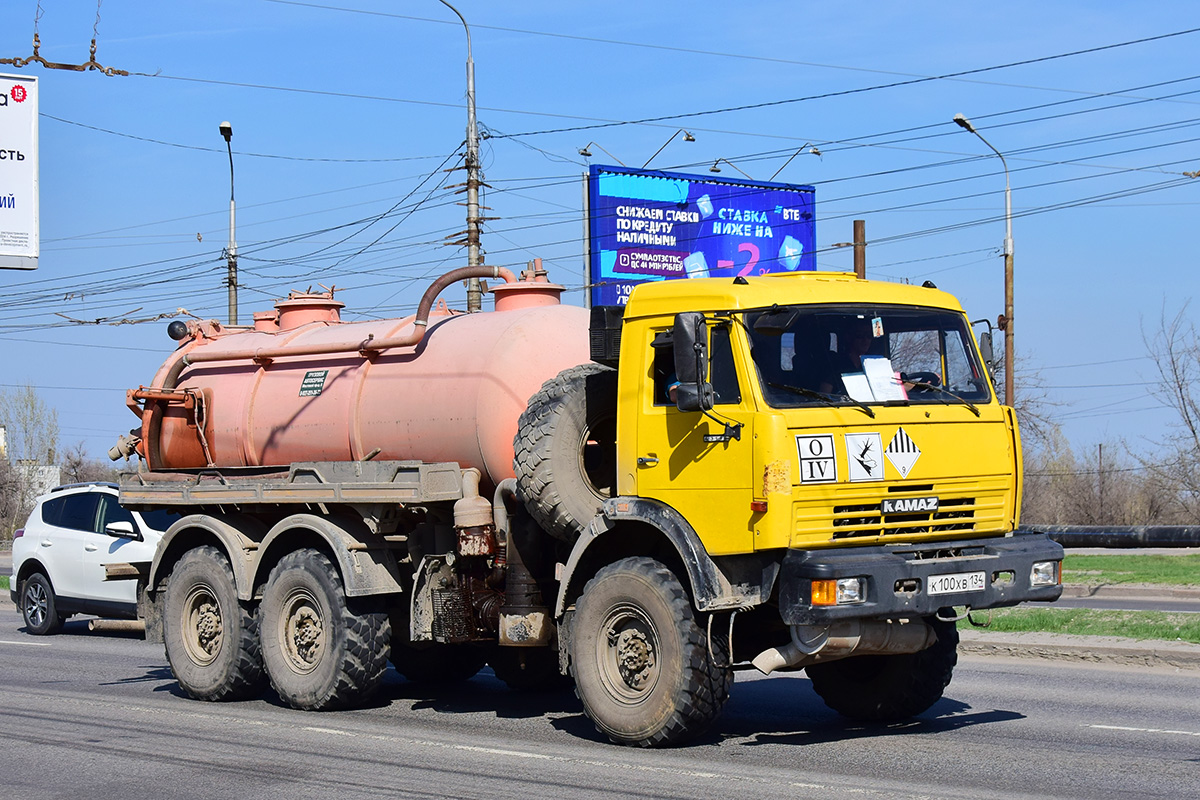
[(839, 592), (1044, 573)]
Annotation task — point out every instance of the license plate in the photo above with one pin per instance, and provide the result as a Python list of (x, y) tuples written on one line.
[(957, 582)]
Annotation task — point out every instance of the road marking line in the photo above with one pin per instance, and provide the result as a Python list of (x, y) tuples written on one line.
[(334, 731), (27, 644), (1143, 730)]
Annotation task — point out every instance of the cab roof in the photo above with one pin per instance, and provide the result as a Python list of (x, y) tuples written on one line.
[(659, 298)]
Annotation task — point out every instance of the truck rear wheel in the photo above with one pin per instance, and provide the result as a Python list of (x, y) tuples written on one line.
[(641, 663), (211, 638), (566, 449), (319, 651), (888, 688)]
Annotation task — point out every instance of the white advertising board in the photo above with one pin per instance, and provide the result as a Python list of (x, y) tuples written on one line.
[(19, 232)]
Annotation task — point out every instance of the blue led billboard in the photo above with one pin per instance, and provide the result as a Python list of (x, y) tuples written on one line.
[(646, 225)]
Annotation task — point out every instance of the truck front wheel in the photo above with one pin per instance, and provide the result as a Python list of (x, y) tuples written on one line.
[(641, 663), (889, 688), (320, 652), (211, 638)]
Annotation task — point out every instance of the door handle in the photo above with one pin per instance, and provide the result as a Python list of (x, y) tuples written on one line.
[(91, 548), (46, 543), (647, 461)]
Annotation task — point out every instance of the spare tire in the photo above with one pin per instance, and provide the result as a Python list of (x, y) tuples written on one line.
[(566, 449)]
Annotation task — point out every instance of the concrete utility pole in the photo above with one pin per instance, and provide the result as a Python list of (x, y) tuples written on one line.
[(1006, 321), (231, 250), (474, 259)]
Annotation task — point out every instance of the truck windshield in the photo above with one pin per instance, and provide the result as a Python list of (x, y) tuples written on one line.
[(846, 355)]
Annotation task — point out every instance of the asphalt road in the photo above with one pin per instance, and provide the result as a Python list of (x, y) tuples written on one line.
[(87, 714)]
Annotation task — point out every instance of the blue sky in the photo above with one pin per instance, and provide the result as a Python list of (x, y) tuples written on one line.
[(343, 118)]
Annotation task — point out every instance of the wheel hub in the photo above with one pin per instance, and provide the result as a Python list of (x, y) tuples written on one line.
[(36, 605), (304, 631), (202, 626), (635, 656)]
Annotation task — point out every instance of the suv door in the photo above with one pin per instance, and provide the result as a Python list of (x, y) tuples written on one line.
[(69, 525), (103, 549)]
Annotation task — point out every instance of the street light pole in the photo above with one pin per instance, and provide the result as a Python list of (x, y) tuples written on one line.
[(474, 288), (231, 250), (1007, 321)]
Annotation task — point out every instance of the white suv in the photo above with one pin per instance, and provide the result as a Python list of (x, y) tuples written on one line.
[(61, 557)]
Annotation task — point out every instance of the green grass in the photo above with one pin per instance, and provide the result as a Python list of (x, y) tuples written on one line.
[(1093, 622), (1181, 570), (3, 583)]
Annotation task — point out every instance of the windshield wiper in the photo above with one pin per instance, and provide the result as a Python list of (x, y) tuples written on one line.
[(824, 398), (941, 391)]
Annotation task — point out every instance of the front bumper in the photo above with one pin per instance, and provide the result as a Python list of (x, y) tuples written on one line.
[(897, 577)]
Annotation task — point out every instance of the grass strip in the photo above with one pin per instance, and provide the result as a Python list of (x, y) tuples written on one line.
[(3, 583), (1162, 625), (1183, 570)]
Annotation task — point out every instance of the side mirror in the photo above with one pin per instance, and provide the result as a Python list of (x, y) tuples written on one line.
[(690, 335), (985, 348), (122, 530)]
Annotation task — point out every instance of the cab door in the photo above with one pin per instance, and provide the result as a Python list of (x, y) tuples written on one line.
[(708, 482)]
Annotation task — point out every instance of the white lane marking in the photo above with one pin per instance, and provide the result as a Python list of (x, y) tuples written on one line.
[(1143, 730), (27, 644), (334, 731)]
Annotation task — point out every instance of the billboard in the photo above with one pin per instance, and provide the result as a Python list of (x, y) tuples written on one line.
[(648, 225), (19, 239)]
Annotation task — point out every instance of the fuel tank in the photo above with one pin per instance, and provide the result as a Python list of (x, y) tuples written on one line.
[(306, 386)]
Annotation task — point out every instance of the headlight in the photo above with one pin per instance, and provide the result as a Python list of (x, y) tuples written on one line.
[(1044, 573), (842, 591)]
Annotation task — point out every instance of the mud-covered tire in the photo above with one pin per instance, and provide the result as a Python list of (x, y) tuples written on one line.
[(528, 669), (321, 651), (888, 688), (39, 606), (565, 449), (211, 637), (641, 663)]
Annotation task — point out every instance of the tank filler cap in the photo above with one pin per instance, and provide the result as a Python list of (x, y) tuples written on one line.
[(301, 308)]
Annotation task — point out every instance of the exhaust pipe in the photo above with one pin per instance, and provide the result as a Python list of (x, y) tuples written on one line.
[(813, 643)]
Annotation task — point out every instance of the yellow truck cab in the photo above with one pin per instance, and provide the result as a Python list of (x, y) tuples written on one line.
[(822, 463)]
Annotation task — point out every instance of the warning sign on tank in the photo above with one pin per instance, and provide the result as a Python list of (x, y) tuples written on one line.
[(313, 383)]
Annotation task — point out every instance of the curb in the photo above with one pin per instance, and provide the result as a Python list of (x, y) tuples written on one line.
[(1126, 591), (1108, 650)]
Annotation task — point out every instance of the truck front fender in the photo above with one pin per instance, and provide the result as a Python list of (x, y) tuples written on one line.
[(720, 583)]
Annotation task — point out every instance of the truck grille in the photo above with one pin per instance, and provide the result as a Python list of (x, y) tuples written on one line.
[(963, 507)]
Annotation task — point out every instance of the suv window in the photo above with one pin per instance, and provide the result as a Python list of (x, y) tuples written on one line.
[(111, 511), (74, 511)]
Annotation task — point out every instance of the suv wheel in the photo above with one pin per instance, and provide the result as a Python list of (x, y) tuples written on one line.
[(39, 607)]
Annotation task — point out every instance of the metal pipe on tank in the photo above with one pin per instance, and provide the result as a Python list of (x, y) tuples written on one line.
[(368, 345)]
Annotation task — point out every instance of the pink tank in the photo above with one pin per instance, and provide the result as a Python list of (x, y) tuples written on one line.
[(246, 398)]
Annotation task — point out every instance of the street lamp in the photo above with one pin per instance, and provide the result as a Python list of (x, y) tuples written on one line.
[(807, 148), (231, 250), (687, 137), (586, 153), (1006, 322), (715, 168)]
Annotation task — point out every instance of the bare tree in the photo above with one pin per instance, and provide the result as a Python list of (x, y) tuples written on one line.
[(1175, 348), (32, 436), (77, 467), (32, 426)]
